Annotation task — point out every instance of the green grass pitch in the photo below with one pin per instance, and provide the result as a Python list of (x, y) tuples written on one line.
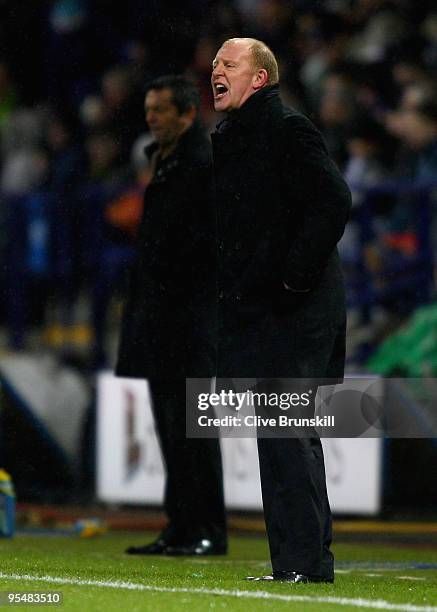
[(95, 575)]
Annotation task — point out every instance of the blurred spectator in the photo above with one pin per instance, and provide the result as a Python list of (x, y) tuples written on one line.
[(404, 228), (81, 44), (101, 258), (419, 131), (123, 111), (365, 168), (22, 171), (24, 162), (337, 113), (22, 129), (272, 23), (327, 37), (123, 215), (92, 112), (383, 25), (416, 94), (139, 64), (409, 72), (67, 169), (415, 126), (103, 153)]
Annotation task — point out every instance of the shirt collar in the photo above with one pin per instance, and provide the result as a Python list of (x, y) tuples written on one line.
[(250, 111)]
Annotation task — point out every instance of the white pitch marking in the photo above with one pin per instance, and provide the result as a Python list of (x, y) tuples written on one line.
[(375, 575), (377, 604), (410, 578)]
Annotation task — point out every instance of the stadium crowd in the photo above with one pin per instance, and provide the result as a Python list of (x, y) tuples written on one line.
[(72, 134)]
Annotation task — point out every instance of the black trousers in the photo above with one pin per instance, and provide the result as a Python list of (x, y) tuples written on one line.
[(296, 507), (193, 497), (292, 470)]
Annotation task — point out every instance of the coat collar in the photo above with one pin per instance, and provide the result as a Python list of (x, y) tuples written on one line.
[(186, 141), (259, 104)]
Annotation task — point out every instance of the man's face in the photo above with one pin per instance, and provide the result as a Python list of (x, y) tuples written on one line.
[(233, 76), (164, 120)]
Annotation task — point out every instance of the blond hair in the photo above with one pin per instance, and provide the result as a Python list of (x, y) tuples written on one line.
[(262, 57)]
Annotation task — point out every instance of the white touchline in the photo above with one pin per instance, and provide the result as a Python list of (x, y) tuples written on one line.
[(374, 575), (377, 604)]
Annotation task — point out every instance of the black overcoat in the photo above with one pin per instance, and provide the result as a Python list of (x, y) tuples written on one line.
[(282, 206), (167, 325)]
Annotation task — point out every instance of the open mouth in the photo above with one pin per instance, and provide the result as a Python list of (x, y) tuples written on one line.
[(220, 91)]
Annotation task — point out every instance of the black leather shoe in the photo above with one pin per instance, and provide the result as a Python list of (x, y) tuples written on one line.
[(294, 577), (158, 547), (197, 548)]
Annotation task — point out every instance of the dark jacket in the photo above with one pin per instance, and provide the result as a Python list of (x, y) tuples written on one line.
[(281, 208), (167, 322)]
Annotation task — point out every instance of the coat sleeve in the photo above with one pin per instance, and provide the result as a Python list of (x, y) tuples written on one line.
[(317, 198)]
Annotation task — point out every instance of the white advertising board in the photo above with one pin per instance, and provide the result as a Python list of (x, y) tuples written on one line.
[(129, 466), (52, 397)]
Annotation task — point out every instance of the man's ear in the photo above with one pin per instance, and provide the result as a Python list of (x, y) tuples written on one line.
[(260, 79), (189, 116)]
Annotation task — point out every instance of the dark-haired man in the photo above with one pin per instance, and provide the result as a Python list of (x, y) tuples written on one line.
[(282, 207), (167, 328)]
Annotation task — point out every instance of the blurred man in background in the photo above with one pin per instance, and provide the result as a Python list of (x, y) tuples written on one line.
[(282, 208), (167, 330)]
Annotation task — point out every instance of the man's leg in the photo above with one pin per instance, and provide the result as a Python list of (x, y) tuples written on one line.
[(293, 481), (194, 489), (193, 498), (296, 507), (163, 404), (327, 568)]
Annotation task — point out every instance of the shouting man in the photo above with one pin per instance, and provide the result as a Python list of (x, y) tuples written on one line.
[(281, 209)]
